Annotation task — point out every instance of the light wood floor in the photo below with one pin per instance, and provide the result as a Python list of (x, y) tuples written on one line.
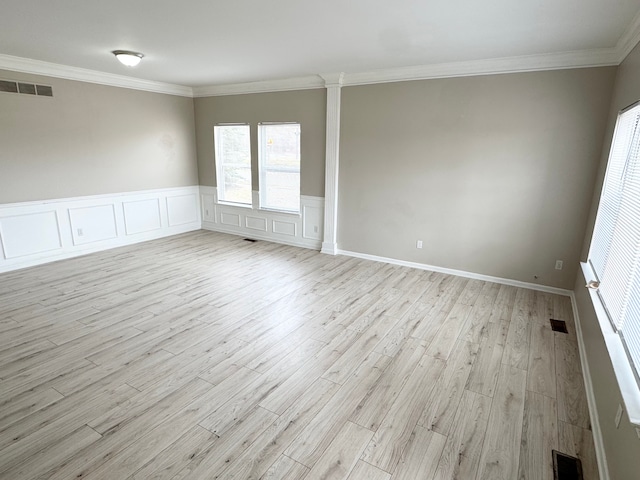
[(206, 356)]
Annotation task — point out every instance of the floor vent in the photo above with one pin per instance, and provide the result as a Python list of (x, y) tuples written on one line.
[(566, 467), (250, 240), (558, 326)]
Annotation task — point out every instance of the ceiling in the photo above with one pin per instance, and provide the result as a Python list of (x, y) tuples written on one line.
[(196, 43)]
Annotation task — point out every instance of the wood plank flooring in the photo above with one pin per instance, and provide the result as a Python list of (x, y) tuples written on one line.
[(203, 356)]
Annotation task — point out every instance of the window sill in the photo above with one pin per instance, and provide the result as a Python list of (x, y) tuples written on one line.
[(281, 212), (621, 367), (233, 204)]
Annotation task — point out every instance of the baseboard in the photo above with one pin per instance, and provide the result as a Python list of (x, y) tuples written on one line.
[(329, 248), (302, 229), (33, 233), (214, 227), (603, 467), (459, 273)]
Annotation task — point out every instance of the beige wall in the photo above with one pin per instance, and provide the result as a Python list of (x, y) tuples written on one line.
[(622, 445), (494, 173), (92, 139), (308, 107)]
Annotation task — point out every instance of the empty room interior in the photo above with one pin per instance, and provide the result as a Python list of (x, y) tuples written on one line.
[(320, 240)]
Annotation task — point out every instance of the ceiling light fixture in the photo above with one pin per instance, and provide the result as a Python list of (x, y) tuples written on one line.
[(130, 59)]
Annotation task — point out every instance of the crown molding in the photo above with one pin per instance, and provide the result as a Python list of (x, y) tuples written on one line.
[(528, 63), (283, 85), (629, 39), (38, 67)]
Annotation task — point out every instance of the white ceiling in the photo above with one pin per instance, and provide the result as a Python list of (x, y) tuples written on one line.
[(198, 42)]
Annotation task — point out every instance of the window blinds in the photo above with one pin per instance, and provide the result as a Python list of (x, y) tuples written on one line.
[(615, 247)]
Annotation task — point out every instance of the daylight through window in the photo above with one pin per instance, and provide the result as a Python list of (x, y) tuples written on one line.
[(279, 165), (614, 255), (233, 163)]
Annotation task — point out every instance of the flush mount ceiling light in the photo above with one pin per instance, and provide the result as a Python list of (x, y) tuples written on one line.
[(130, 59)]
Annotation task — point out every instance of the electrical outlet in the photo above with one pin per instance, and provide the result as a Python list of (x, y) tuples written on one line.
[(315, 229), (558, 264), (638, 431), (419, 244), (619, 415), (206, 212), (80, 233)]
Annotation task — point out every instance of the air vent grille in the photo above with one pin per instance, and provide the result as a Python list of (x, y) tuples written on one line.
[(44, 90), (558, 325), (10, 86), (566, 467), (27, 88), (7, 86)]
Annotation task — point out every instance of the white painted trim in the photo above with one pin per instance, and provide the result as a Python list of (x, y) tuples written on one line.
[(329, 248), (257, 235), (603, 467), (494, 66), (97, 228), (629, 39), (332, 163), (281, 85), (625, 377), (527, 63), (459, 273), (101, 196), (239, 218), (38, 67)]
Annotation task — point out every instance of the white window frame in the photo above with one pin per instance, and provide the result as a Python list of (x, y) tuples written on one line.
[(263, 169), (220, 166), (612, 328)]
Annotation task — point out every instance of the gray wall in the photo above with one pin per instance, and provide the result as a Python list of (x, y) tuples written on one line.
[(308, 107), (92, 139), (494, 173), (622, 445)]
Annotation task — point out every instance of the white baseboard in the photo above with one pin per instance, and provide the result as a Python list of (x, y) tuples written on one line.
[(460, 273), (603, 467), (329, 248), (300, 230), (33, 233)]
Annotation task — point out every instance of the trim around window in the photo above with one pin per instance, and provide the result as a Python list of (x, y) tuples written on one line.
[(619, 360)]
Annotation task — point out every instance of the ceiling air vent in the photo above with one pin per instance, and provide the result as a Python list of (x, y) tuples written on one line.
[(10, 86)]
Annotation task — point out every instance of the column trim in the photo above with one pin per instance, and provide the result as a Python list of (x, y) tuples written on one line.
[(333, 84)]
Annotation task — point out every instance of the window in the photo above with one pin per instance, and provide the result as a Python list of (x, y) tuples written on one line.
[(614, 255), (279, 166), (233, 163)]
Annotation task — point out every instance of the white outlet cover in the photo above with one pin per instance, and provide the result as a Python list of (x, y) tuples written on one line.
[(419, 244), (638, 431), (559, 264)]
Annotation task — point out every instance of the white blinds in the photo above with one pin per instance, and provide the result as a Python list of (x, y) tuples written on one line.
[(615, 246)]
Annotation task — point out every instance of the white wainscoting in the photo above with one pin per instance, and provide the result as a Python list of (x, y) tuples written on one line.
[(32, 233), (302, 230)]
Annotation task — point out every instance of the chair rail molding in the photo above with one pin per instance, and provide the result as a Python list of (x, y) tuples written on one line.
[(302, 229), (33, 233)]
